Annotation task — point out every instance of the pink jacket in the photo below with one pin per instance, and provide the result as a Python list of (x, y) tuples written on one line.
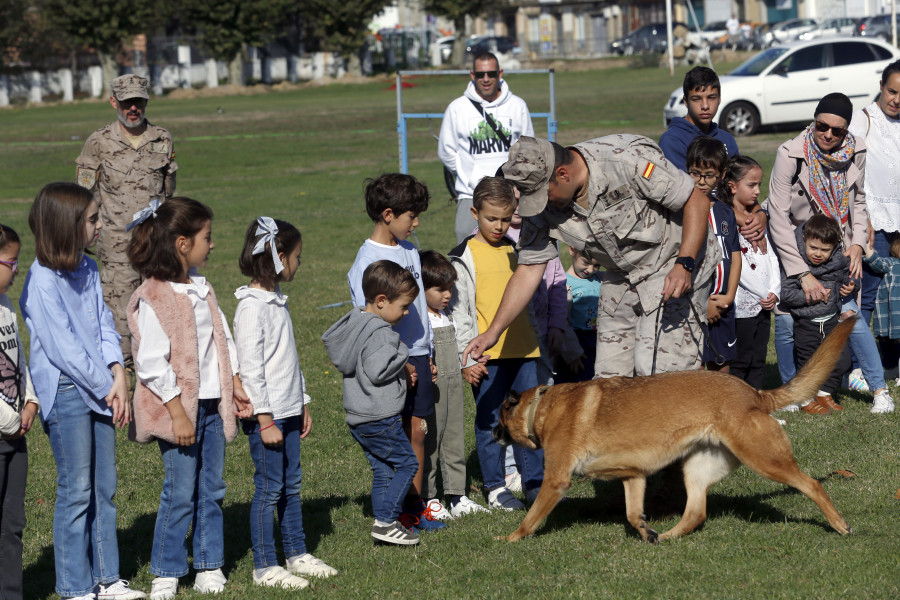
[(789, 204), (175, 314)]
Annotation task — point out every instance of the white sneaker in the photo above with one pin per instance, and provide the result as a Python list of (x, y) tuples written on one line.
[(514, 481), (857, 382), (88, 596), (466, 506), (163, 588), (210, 582), (883, 403), (503, 499), (781, 422), (438, 510), (119, 591), (278, 577), (791, 408), (307, 564)]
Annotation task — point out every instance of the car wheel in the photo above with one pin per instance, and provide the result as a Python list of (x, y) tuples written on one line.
[(740, 119)]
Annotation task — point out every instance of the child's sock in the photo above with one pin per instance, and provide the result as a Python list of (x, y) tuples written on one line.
[(453, 499), (384, 523)]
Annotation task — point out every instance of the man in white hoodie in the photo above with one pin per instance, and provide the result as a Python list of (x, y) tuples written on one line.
[(477, 131)]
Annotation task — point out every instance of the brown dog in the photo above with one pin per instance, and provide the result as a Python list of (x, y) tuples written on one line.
[(628, 428)]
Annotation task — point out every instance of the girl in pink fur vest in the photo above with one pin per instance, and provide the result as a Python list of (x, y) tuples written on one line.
[(188, 390)]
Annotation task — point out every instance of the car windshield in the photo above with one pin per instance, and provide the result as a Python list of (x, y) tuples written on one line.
[(757, 64)]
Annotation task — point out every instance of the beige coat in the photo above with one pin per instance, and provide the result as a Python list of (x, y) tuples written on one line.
[(790, 205)]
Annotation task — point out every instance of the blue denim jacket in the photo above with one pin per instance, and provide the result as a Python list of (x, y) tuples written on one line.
[(72, 333)]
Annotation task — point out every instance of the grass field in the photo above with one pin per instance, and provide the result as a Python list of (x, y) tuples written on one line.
[(303, 155)]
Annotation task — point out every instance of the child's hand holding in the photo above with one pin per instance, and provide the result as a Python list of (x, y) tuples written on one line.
[(243, 406), (434, 370), (847, 288), (769, 301), (712, 313), (870, 248), (474, 374), (412, 378), (118, 397), (28, 414), (184, 431)]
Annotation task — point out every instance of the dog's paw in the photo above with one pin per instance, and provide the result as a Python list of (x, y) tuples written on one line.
[(503, 538), (652, 537)]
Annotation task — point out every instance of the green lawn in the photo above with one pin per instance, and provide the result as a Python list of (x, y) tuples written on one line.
[(303, 155)]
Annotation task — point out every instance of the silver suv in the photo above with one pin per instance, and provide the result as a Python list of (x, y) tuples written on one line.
[(878, 26)]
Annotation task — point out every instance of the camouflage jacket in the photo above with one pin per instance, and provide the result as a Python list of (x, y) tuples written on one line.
[(629, 220), (125, 179)]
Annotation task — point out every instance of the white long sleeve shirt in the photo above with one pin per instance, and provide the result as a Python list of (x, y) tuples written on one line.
[(760, 275), (267, 353), (152, 361)]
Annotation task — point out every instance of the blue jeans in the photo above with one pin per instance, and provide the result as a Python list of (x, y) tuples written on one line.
[(864, 348), (86, 550), (393, 464), (193, 490), (784, 347), (277, 478), (517, 374)]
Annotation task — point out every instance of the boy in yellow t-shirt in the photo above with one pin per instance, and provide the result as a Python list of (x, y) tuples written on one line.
[(484, 263)]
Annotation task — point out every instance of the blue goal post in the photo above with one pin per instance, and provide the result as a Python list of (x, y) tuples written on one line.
[(402, 117)]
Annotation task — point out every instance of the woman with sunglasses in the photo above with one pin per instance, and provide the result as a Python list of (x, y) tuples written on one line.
[(822, 171)]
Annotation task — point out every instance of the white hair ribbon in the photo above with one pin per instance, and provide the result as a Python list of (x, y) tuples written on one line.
[(143, 214), (268, 229)]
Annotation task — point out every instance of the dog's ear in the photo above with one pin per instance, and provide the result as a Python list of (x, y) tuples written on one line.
[(512, 398)]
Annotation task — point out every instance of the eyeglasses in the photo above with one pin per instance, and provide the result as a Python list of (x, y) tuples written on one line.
[(703, 176), (836, 131), (488, 74), (12, 265)]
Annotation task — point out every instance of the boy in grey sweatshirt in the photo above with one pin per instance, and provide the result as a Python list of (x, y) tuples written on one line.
[(372, 359)]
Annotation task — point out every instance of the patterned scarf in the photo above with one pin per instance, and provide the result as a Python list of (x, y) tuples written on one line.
[(828, 175)]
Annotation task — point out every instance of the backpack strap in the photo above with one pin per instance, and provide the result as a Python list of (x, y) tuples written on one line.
[(493, 124)]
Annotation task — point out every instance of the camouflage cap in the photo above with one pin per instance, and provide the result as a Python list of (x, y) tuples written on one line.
[(129, 86), (529, 168)]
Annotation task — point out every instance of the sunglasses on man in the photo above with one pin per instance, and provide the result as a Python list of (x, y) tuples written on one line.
[(488, 74)]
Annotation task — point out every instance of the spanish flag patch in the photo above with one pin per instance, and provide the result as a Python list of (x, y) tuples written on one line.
[(648, 170)]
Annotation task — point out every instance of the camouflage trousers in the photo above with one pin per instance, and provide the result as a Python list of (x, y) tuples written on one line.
[(119, 280), (626, 339)]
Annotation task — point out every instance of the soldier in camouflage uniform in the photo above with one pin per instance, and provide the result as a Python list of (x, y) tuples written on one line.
[(618, 201), (126, 164)]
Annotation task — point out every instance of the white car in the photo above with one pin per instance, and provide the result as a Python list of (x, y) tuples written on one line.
[(830, 27), (784, 83)]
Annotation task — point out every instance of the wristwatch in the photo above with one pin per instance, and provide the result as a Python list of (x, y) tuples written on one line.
[(687, 262)]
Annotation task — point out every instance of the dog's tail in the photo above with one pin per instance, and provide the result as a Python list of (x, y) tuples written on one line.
[(808, 381)]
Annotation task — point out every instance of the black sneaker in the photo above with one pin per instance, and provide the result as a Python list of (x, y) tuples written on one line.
[(395, 533)]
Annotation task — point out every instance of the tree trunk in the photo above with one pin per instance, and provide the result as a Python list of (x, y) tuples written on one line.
[(236, 70), (353, 65), (459, 44), (110, 68)]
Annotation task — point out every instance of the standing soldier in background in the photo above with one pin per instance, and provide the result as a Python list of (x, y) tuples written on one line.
[(126, 164)]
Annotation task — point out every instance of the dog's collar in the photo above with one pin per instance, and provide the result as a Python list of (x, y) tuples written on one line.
[(532, 409)]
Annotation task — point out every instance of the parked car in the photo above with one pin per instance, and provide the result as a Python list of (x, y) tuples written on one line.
[(784, 83), (713, 32), (649, 38), (878, 26), (838, 26), (787, 31), (498, 44)]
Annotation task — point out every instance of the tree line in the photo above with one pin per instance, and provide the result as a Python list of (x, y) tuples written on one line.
[(37, 33)]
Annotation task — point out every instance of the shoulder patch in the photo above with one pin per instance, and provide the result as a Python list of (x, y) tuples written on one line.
[(648, 170), (86, 178)]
